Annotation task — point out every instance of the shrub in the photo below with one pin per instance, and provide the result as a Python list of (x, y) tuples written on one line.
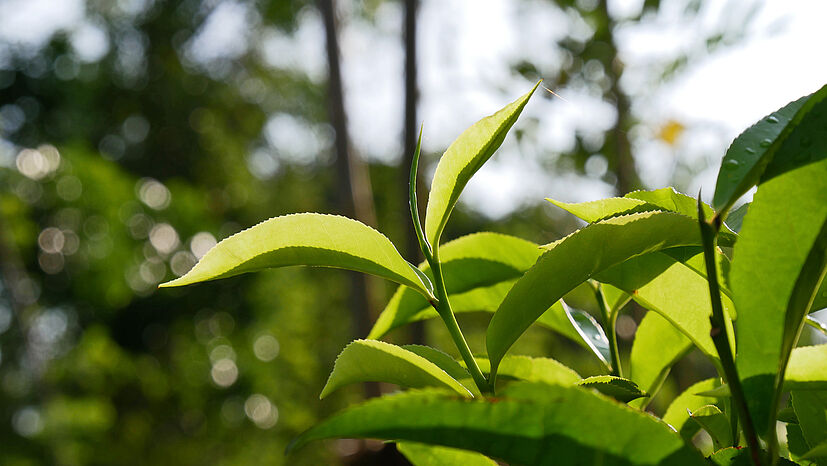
[(736, 284)]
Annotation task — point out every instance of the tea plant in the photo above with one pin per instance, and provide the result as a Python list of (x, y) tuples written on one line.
[(736, 284)]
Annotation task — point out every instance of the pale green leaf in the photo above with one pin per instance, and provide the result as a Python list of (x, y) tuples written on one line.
[(575, 259), (377, 361), (477, 262), (462, 159), (535, 424), (715, 423), (807, 369), (818, 451), (658, 345), (677, 416), (306, 239), (751, 152), (660, 283), (443, 360), (779, 259), (621, 389), (533, 369), (420, 454)]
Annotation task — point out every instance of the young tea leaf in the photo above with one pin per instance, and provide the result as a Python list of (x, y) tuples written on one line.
[(678, 412), (477, 262), (420, 454), (462, 159), (715, 423), (531, 369), (575, 259), (376, 361), (307, 239), (535, 424)]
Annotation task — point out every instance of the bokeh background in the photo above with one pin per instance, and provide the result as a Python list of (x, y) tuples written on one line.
[(134, 134)]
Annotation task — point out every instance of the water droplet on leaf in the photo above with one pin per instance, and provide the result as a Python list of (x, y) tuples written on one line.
[(731, 164), (766, 143), (772, 119), (749, 150)]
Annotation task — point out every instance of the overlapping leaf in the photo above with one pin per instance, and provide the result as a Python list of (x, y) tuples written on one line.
[(578, 257), (532, 369), (621, 389), (658, 345), (677, 414), (534, 424), (306, 239), (780, 258), (751, 152), (420, 454), (462, 159), (475, 268), (377, 361)]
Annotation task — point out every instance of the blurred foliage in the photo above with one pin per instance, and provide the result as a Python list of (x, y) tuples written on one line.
[(118, 170)]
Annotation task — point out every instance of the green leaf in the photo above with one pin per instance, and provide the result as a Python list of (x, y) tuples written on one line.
[(715, 423), (811, 409), (441, 359), (589, 331), (779, 259), (658, 345), (377, 361), (807, 369), (534, 424), (462, 159), (818, 451), (676, 415), (751, 152), (735, 219), (666, 199), (623, 390), (795, 441), (575, 259), (660, 283), (306, 239), (420, 454), (732, 456), (532, 369), (478, 262)]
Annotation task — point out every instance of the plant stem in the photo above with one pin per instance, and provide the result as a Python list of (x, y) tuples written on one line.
[(719, 334), (609, 316), (442, 305)]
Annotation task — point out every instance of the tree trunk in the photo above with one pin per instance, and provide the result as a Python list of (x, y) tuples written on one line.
[(353, 180), (417, 329)]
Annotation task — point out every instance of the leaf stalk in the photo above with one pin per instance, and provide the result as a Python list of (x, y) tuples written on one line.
[(719, 333), (609, 317)]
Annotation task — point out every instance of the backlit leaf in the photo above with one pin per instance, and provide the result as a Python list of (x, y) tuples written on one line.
[(658, 345), (621, 389), (306, 239), (420, 454), (677, 416), (535, 424), (377, 361), (462, 159), (575, 259)]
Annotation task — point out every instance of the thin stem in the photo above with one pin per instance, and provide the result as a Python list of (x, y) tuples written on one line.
[(609, 317), (442, 305), (444, 310), (720, 335), (420, 236)]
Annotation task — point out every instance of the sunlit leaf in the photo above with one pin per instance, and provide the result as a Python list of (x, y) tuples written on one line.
[(533, 369), (477, 262), (590, 332), (420, 454), (575, 259), (779, 259), (462, 159), (657, 346), (306, 239), (536, 424), (677, 416), (377, 361), (751, 152), (811, 409), (715, 423)]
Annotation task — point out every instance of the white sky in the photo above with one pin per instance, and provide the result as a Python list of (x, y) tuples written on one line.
[(465, 51)]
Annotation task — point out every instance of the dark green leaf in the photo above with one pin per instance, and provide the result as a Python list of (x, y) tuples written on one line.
[(535, 424), (621, 389)]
